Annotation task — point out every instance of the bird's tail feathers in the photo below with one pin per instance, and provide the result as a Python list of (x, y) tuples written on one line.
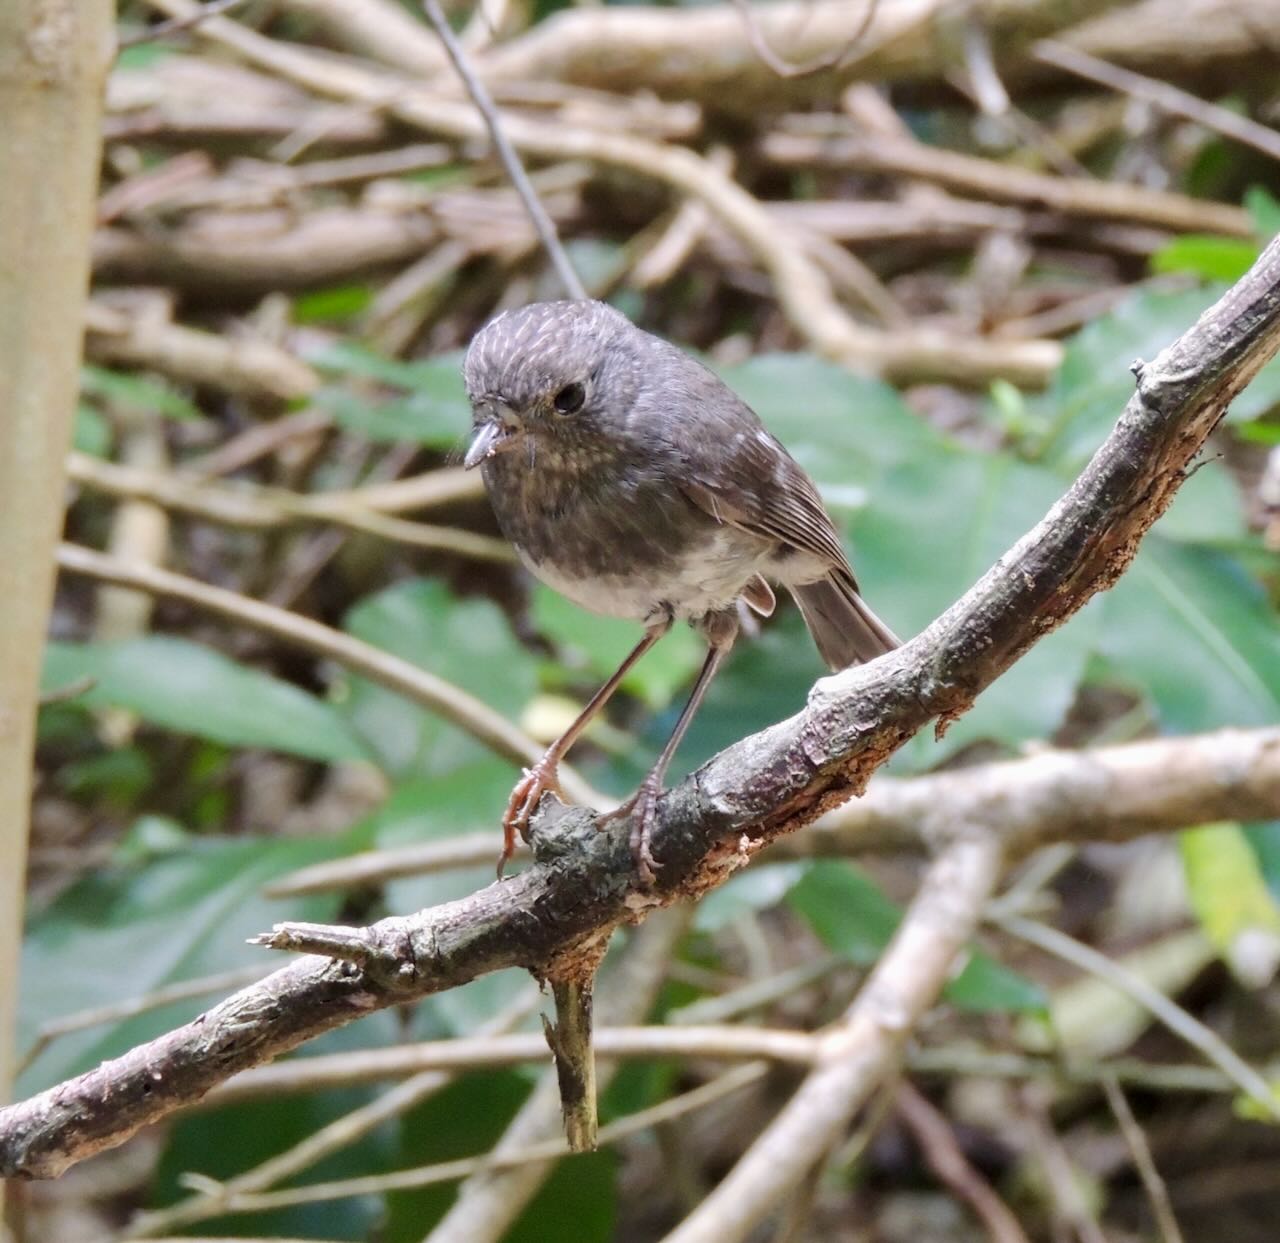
[(844, 629)]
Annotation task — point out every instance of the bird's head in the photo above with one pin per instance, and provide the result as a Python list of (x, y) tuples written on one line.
[(554, 374)]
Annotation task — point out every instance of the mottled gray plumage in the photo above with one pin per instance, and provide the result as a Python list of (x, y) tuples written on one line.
[(634, 481)]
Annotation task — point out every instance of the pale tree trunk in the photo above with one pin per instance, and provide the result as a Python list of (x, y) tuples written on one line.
[(54, 56)]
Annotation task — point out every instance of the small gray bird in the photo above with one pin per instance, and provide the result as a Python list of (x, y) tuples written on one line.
[(631, 479)]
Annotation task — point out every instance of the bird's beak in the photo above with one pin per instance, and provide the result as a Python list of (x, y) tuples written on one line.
[(495, 435)]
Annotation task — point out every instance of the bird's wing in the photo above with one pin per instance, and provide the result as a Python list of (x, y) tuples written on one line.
[(753, 483)]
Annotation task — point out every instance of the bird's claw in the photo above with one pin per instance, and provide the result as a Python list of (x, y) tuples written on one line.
[(533, 784), (642, 809)]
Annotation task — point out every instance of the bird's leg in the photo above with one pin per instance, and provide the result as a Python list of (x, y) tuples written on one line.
[(720, 629), (543, 776)]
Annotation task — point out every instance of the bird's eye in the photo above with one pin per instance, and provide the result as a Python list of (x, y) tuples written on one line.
[(569, 399)]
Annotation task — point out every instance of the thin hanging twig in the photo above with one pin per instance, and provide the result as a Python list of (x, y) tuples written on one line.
[(542, 223)]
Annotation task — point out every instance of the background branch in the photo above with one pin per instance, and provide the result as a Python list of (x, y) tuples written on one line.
[(53, 64), (861, 1051)]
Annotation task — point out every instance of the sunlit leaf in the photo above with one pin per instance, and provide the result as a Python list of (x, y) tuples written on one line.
[(1232, 901), (1206, 256)]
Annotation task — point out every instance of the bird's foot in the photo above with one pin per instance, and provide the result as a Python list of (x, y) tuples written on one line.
[(541, 779), (642, 809)]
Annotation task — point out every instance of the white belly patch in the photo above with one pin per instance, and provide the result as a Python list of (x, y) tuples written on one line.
[(701, 581)]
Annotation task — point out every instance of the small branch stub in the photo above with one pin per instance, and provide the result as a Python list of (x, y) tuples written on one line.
[(570, 1040)]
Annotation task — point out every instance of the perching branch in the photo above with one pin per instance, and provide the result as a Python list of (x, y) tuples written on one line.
[(1104, 794), (559, 913)]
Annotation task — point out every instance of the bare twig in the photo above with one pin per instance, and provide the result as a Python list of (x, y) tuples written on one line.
[(249, 367), (827, 60), (381, 29), (712, 1042), (1167, 98), (131, 1006), (802, 290), (436, 488), (1157, 1192), (707, 52), (488, 1202), (1201, 1038), (483, 101), (938, 1143), (534, 1154), (1104, 200), (569, 1038), (177, 25), (248, 505), (342, 1132)]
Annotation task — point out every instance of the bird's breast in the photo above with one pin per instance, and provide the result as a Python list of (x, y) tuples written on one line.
[(629, 547)]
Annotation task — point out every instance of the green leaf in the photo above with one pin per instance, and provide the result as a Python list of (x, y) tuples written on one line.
[(1204, 255), (1264, 841), (136, 393), (442, 372), (757, 889), (337, 304), (125, 931), (140, 55), (843, 429), (434, 411), (466, 1117), (195, 690), (115, 778), (577, 1202), (1264, 207), (1208, 508), (939, 522), (1189, 628), (1231, 900), (1091, 388), (852, 917), (419, 418), (1089, 392), (1260, 433), (93, 433), (466, 642)]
